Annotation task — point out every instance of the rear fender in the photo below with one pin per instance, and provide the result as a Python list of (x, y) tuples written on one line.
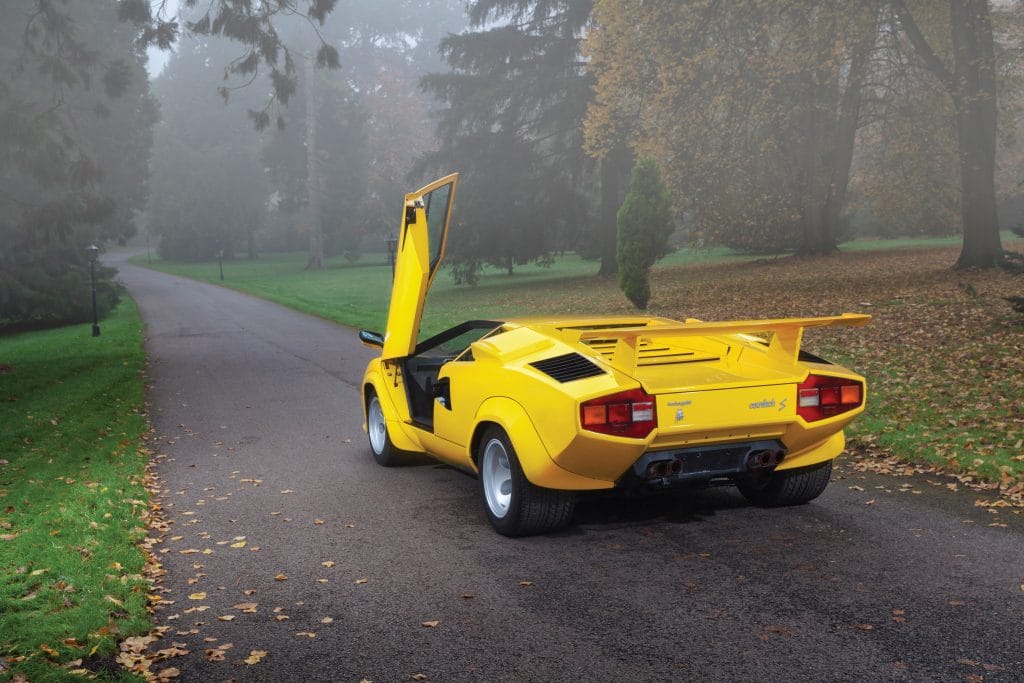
[(537, 464)]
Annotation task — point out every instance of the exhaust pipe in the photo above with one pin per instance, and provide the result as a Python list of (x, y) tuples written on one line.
[(662, 468), (763, 459)]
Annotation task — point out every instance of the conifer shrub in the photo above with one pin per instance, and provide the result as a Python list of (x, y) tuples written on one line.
[(644, 226)]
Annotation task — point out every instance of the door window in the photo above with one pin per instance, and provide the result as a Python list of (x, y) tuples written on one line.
[(436, 204)]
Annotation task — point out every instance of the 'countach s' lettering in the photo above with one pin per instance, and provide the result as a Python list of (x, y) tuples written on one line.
[(543, 408)]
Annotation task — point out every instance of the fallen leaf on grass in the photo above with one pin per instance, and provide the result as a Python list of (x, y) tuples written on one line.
[(111, 598), (255, 656)]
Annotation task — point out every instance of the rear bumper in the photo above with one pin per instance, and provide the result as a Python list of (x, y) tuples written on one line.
[(664, 468)]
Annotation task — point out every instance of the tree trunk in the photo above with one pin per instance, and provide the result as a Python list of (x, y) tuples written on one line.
[(316, 228), (811, 160), (845, 136), (972, 85), (614, 176), (975, 101)]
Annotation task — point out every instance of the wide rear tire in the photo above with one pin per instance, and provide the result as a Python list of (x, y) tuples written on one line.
[(513, 505), (384, 452), (788, 487)]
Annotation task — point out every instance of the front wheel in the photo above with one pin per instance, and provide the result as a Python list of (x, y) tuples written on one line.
[(514, 506), (788, 487), (384, 452)]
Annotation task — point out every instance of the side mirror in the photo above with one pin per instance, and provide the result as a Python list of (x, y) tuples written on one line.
[(371, 338)]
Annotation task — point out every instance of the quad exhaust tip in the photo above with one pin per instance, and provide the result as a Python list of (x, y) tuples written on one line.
[(764, 459), (659, 469)]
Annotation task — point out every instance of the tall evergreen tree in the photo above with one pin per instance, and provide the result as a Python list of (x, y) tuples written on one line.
[(75, 118), (514, 100)]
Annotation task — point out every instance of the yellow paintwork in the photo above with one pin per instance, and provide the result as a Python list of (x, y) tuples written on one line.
[(714, 383)]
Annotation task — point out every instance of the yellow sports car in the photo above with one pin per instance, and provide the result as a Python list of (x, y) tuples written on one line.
[(543, 408)]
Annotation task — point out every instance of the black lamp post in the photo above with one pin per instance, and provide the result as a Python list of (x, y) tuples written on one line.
[(392, 247), (220, 262), (94, 253)]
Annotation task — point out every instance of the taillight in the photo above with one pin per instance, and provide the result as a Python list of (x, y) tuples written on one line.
[(819, 397), (629, 413)]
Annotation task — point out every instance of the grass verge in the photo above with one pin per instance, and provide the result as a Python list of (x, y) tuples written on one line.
[(944, 355), (72, 499)]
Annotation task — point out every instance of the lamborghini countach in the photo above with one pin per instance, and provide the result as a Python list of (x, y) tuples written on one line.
[(541, 409)]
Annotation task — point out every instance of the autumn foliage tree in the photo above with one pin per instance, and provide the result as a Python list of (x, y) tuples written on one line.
[(644, 226), (750, 107)]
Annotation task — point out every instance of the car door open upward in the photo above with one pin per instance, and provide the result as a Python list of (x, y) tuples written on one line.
[(418, 255)]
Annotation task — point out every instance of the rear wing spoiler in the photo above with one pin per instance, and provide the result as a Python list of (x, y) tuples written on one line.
[(786, 334)]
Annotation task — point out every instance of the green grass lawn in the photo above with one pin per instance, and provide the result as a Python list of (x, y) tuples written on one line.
[(72, 498), (938, 330), (357, 294)]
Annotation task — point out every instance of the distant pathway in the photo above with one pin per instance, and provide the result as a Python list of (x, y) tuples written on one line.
[(349, 571)]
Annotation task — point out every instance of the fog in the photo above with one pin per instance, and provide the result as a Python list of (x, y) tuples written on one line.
[(777, 127)]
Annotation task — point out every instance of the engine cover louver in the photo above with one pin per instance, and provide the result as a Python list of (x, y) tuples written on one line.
[(567, 368)]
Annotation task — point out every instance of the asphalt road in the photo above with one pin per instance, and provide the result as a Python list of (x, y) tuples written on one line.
[(258, 435)]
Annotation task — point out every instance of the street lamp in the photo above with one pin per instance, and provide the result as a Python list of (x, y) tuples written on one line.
[(94, 253), (220, 262)]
